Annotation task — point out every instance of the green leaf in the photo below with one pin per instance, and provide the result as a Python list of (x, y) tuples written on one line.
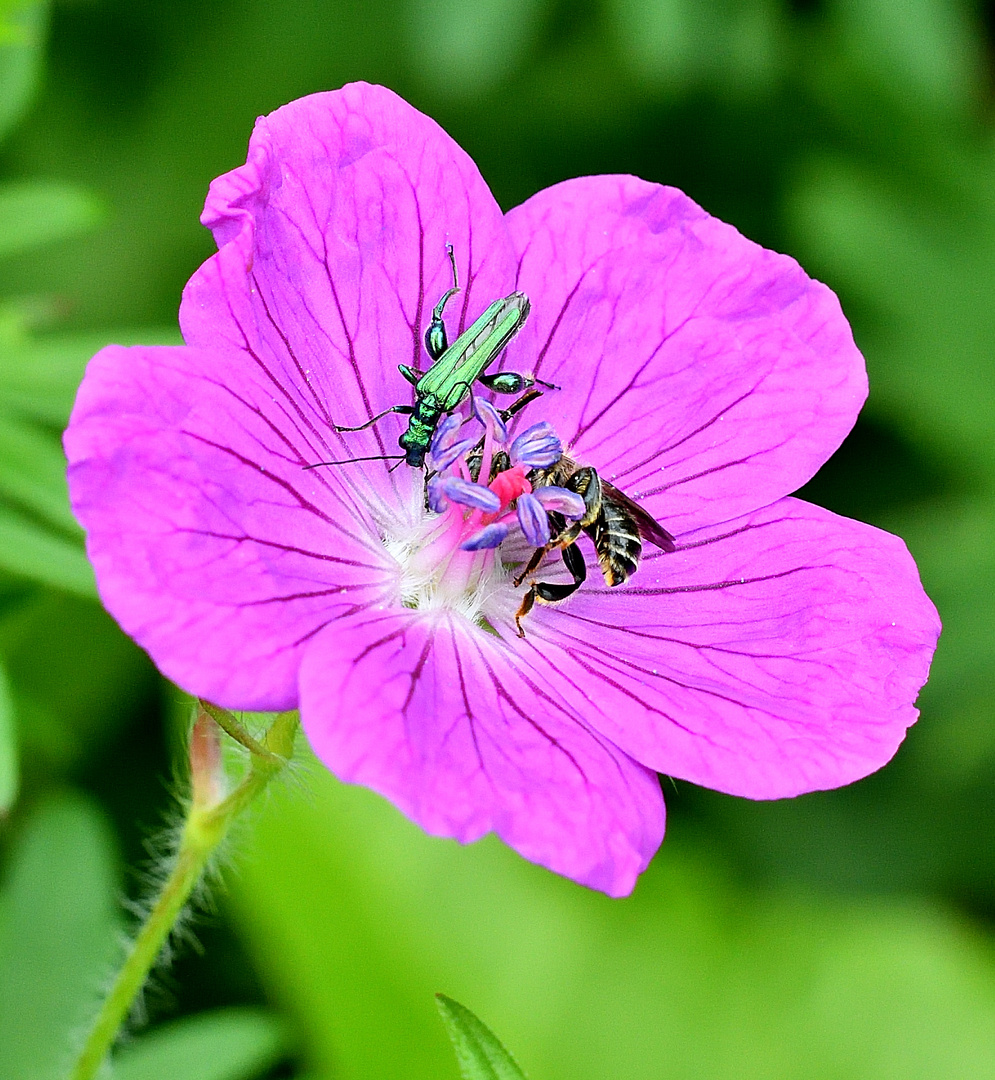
[(8, 746), (478, 1050), (60, 935), (28, 550), (227, 1044), (75, 676), (33, 472), (679, 44), (23, 24), (463, 50), (355, 918), (923, 261), (926, 54), (36, 212), (39, 376)]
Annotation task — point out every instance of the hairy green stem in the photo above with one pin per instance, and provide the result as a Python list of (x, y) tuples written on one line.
[(204, 829)]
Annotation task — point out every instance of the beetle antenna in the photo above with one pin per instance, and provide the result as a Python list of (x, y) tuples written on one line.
[(351, 461)]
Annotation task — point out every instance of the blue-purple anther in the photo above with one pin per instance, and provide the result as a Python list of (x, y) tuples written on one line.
[(532, 517), (509, 499), (562, 500), (445, 447), (485, 412), (446, 489), (490, 536), (537, 447)]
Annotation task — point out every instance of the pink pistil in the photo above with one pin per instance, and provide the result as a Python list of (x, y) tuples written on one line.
[(508, 485)]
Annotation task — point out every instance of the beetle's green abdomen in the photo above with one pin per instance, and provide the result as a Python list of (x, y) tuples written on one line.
[(451, 376)]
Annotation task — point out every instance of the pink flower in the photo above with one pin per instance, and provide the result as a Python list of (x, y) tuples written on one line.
[(778, 650)]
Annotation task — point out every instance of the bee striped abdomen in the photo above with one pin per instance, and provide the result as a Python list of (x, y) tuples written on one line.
[(616, 540), (616, 525)]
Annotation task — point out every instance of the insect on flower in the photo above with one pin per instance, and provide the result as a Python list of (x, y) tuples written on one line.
[(616, 525), (447, 383), (777, 649)]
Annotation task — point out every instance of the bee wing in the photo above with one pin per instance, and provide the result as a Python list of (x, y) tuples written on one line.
[(649, 528)]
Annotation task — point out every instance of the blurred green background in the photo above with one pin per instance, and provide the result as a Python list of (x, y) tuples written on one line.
[(841, 935)]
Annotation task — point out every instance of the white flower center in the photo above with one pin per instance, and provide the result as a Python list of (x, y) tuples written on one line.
[(435, 574)]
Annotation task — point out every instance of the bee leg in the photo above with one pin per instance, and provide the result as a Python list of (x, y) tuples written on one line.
[(563, 537), (587, 484), (533, 563), (527, 601), (573, 560)]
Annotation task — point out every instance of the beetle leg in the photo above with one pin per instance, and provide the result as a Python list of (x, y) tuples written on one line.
[(436, 340), (511, 382), (504, 382), (410, 373), (519, 404), (406, 409)]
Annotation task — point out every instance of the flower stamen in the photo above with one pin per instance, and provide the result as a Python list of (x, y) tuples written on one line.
[(478, 497)]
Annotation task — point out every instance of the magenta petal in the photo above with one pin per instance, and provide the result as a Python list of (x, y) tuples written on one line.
[(445, 721), (779, 654), (212, 546), (333, 253), (699, 371)]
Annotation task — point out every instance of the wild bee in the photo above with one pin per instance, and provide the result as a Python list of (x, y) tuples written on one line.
[(616, 525)]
